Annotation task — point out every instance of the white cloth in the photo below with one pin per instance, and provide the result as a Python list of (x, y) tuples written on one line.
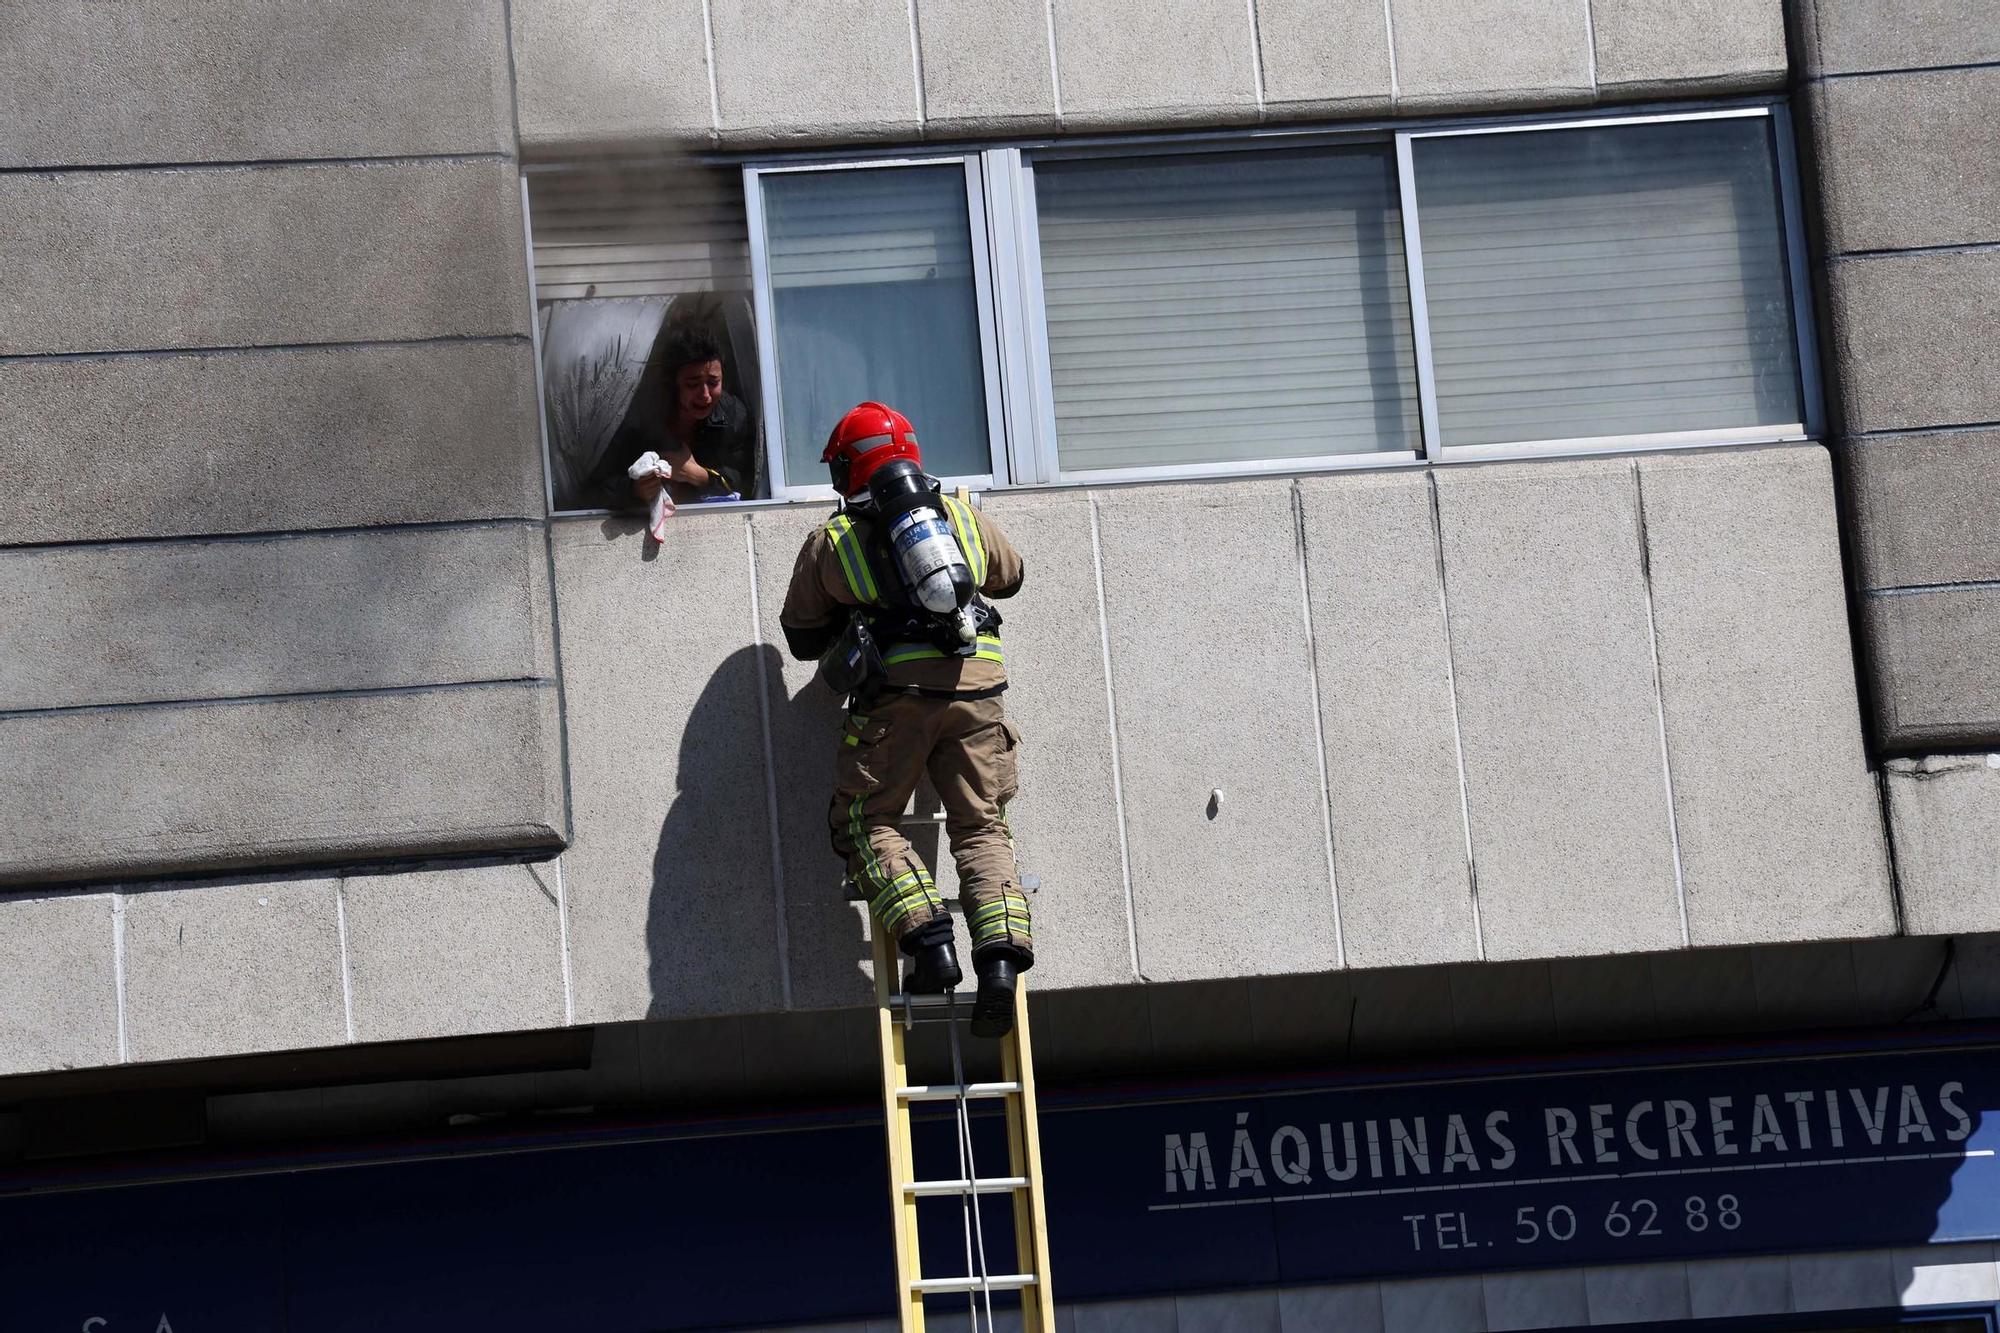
[(650, 464)]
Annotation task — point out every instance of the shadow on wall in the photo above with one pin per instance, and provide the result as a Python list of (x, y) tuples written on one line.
[(712, 925)]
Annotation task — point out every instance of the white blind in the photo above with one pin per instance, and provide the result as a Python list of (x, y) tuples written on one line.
[(638, 231), (1613, 281), (873, 298), (1225, 307), (840, 228)]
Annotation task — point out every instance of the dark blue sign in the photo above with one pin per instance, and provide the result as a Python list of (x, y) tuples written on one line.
[(762, 1222), (1587, 1167)]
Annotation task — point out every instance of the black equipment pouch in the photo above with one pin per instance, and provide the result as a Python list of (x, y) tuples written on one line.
[(853, 665)]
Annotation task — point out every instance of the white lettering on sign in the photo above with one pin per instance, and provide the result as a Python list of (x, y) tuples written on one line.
[(1187, 1159), (1745, 1125)]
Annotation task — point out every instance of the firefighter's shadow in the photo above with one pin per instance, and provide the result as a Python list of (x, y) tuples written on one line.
[(741, 910)]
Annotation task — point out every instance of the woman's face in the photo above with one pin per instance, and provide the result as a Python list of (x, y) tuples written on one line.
[(698, 388)]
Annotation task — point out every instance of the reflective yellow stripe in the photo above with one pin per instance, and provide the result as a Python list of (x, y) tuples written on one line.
[(966, 524), (988, 651), (853, 560)]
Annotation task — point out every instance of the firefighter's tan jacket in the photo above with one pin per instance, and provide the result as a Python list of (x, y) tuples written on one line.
[(832, 576)]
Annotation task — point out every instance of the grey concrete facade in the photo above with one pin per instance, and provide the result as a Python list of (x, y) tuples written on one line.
[(1910, 218), (1475, 718), (756, 74), (267, 282), (1707, 724)]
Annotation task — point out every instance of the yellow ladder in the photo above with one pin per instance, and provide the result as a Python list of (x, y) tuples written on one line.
[(895, 1014)]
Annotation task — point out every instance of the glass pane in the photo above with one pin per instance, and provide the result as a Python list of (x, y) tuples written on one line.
[(1616, 281), (871, 284), (1227, 307)]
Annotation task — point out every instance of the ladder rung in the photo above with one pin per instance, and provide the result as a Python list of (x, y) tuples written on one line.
[(900, 1001), (985, 1185), (946, 1092), (998, 1282)]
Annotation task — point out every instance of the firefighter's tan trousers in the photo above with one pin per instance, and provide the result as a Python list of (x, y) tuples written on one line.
[(968, 748)]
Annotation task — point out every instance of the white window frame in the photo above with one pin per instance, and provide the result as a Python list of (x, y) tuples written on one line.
[(1006, 247), (1791, 230), (785, 487)]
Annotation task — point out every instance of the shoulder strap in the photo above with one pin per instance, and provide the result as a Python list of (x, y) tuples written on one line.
[(847, 545), (965, 526)]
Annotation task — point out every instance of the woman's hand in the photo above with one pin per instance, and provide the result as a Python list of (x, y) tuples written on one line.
[(683, 468), (647, 486)]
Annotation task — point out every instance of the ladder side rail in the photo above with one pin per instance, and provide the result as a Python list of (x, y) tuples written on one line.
[(1024, 1154), (896, 1124)]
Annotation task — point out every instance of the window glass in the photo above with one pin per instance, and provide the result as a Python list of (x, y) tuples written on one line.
[(873, 298), (1225, 307), (1623, 280)]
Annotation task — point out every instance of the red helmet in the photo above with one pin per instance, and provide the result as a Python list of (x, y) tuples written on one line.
[(867, 437)]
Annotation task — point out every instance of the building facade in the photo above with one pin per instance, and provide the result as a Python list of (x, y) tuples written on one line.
[(1507, 662)]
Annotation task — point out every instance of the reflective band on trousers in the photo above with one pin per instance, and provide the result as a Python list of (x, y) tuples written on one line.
[(893, 899), (1000, 920)]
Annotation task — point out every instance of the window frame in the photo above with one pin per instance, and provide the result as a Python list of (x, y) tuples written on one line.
[(1791, 234), (1006, 247), (764, 306)]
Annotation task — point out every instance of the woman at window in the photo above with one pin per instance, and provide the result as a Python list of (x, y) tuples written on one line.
[(702, 432)]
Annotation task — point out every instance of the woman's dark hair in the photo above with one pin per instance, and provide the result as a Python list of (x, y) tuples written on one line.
[(687, 345)]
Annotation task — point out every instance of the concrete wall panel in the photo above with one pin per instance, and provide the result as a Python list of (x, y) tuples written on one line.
[(605, 71), (1557, 709), (987, 66), (167, 446), (58, 987), (227, 969), (244, 80), (1386, 713), (1492, 52), (1896, 173), (442, 953), (1899, 336), (669, 882), (1324, 55), (818, 69), (1933, 653), (1211, 684), (1846, 36), (127, 260), (1923, 508), (203, 620), (827, 937), (104, 793), (1183, 60), (1778, 816), (1944, 811), (1721, 44), (1065, 820)]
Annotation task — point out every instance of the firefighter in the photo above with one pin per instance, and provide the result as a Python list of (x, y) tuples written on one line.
[(890, 595)]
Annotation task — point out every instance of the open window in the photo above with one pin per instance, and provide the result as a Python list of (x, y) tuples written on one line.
[(626, 257)]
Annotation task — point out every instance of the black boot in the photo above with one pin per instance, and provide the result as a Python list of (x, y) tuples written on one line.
[(933, 970), (993, 1011)]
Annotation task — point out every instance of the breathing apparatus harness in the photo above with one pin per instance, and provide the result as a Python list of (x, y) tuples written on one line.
[(927, 591)]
